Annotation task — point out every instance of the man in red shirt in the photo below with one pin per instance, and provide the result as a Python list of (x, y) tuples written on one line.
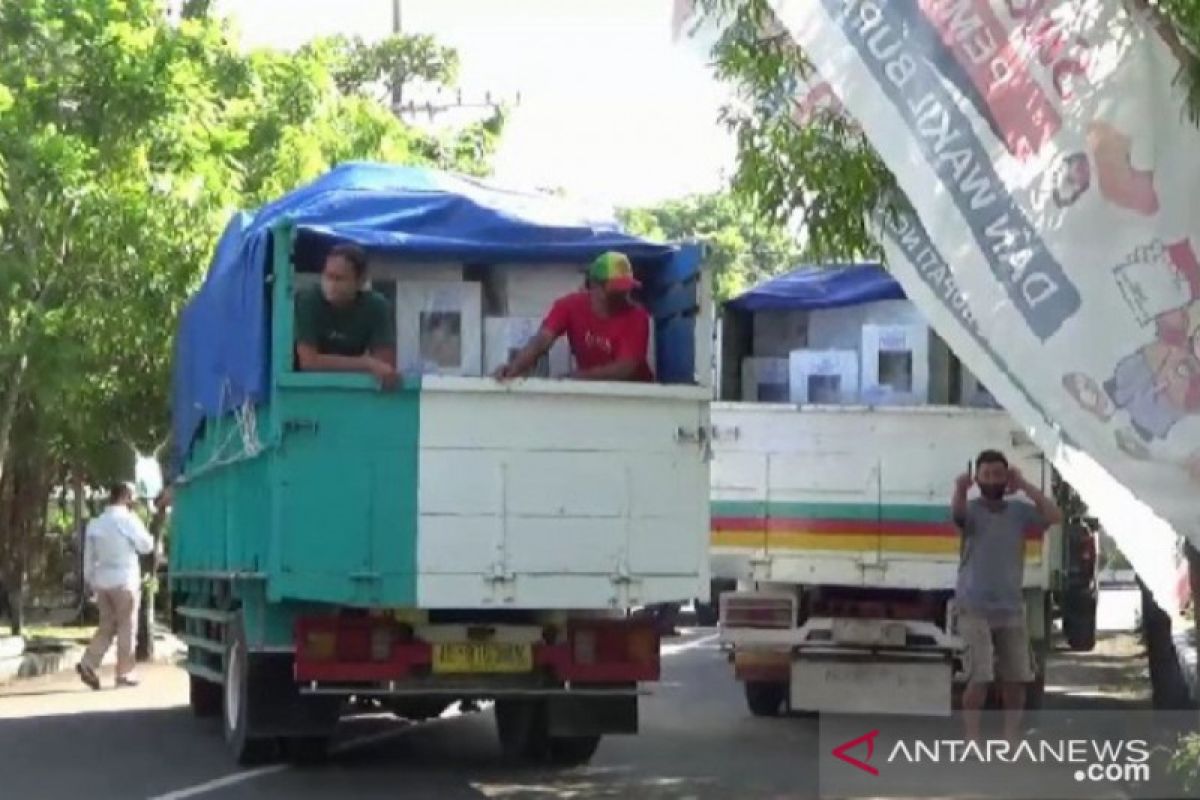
[(607, 331)]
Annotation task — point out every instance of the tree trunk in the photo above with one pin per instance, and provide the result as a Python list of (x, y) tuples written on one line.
[(78, 525), (145, 631), (9, 402), (16, 610)]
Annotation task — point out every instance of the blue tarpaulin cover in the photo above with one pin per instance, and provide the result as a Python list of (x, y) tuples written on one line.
[(813, 287), (221, 351)]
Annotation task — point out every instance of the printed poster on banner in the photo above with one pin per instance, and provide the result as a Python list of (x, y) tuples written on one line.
[(1044, 149)]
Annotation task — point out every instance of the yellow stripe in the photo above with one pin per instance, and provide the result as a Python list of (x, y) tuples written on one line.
[(891, 543), (799, 540), (752, 539)]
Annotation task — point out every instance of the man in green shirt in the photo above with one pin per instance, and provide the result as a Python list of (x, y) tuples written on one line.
[(342, 326)]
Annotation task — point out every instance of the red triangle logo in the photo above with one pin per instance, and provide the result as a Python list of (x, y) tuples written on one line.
[(841, 751)]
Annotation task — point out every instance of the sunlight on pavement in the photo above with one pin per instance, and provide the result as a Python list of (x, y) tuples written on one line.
[(163, 686)]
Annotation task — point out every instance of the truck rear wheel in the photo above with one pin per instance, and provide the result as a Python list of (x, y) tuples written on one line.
[(204, 697), (523, 727), (572, 751), (245, 747), (517, 726), (1079, 621), (1080, 632), (707, 614), (765, 699)]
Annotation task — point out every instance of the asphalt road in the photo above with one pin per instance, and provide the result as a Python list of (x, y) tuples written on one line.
[(59, 740)]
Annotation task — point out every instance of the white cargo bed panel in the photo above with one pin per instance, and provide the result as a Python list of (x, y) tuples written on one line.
[(551, 494), (852, 495)]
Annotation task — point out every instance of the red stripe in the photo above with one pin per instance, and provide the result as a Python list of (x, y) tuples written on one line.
[(737, 524)]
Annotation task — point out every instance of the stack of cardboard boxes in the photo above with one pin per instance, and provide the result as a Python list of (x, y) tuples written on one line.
[(875, 353), (469, 321)]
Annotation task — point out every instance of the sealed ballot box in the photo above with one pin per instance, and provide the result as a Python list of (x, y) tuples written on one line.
[(504, 337), (823, 377)]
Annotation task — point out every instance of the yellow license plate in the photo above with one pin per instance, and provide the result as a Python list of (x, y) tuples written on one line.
[(484, 657)]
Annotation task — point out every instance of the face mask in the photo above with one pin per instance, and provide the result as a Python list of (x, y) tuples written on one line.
[(992, 491)]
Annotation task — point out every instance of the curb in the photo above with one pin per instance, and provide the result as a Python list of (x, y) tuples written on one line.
[(54, 657), (35, 664)]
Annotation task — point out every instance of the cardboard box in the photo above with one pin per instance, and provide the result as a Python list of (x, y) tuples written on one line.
[(503, 338), (438, 328), (895, 366), (529, 291), (778, 333), (765, 380), (823, 377), (409, 272)]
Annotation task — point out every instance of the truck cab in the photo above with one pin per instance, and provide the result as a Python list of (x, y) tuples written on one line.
[(455, 539)]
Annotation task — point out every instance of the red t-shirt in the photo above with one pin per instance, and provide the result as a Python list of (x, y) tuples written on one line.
[(597, 341)]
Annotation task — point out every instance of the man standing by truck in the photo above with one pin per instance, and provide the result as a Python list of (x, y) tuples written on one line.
[(608, 332), (989, 606), (341, 325), (111, 570)]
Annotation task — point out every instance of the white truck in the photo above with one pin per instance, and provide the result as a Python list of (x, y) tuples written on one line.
[(831, 532)]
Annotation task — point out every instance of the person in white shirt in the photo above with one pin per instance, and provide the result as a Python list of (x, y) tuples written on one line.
[(112, 571)]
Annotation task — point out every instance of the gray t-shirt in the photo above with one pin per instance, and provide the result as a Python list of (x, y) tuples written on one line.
[(993, 557)]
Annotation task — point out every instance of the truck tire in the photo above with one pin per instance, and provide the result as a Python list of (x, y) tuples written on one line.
[(204, 697), (765, 699), (572, 751), (1079, 629), (523, 729), (707, 614), (246, 748)]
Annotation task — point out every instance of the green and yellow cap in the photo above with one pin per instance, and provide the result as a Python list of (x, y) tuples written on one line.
[(613, 271)]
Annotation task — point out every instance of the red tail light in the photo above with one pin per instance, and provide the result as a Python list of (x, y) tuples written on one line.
[(354, 644), (612, 651)]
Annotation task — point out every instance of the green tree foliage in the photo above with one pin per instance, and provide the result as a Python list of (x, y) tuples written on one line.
[(743, 248), (126, 139)]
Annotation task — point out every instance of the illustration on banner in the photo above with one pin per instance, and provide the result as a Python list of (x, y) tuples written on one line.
[(1158, 384)]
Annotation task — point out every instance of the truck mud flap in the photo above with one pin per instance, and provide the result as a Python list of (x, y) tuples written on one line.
[(276, 706), (591, 715)]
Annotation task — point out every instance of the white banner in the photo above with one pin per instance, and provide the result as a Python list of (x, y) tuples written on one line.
[(1043, 146)]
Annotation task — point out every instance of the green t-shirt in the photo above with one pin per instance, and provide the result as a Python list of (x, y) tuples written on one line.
[(364, 325)]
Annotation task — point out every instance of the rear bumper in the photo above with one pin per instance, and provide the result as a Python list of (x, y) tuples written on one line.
[(907, 669), (619, 653), (478, 690), (818, 634)]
